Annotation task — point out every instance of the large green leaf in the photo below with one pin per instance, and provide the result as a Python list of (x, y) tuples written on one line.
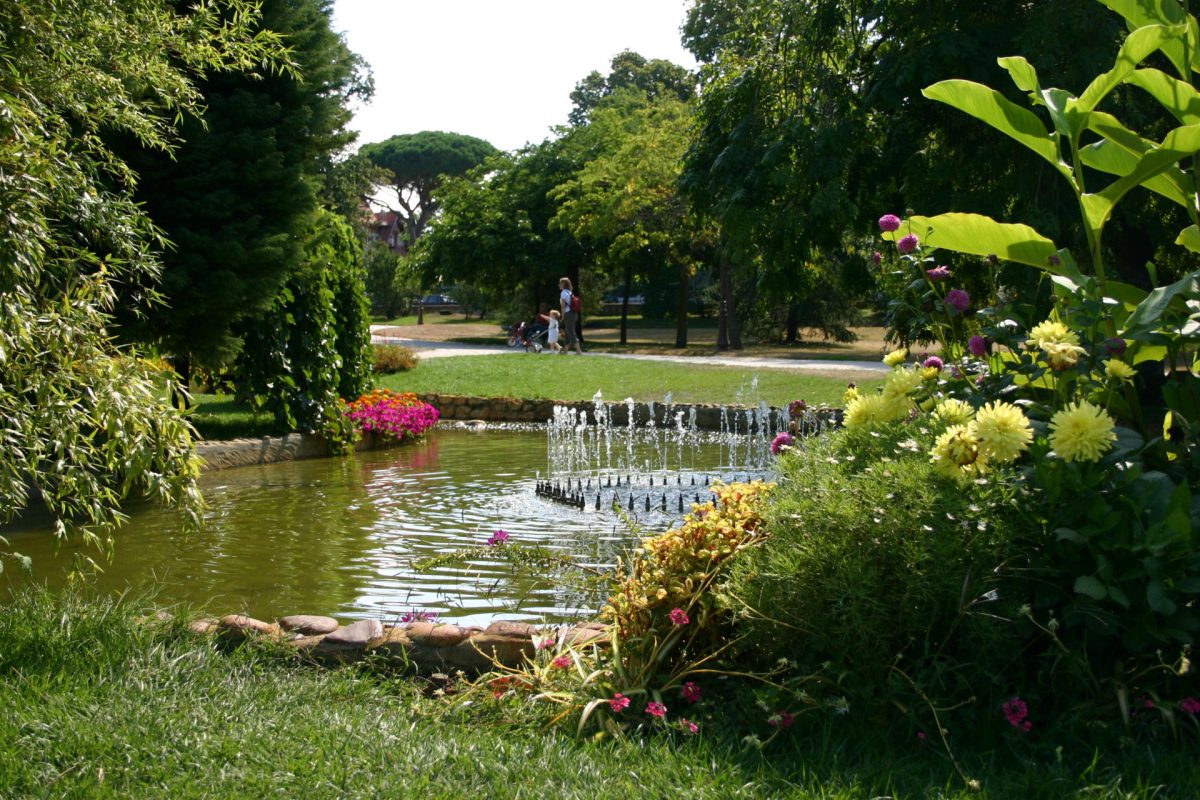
[(1023, 74), (1136, 47), (1189, 237), (1148, 315), (1178, 144), (1139, 13), (988, 105), (1178, 97), (983, 236), (1109, 157)]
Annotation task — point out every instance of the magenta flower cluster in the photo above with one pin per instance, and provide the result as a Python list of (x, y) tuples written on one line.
[(784, 439), (1016, 712), (391, 415), (498, 538), (958, 299), (679, 616), (940, 273)]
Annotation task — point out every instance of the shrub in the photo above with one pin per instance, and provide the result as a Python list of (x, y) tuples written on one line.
[(389, 358), (874, 560)]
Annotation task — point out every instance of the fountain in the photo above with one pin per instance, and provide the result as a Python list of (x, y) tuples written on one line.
[(620, 455)]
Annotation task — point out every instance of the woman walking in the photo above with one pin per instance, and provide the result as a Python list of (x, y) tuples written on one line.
[(568, 303)]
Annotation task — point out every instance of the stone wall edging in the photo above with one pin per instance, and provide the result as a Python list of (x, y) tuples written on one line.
[(458, 407), (426, 646), (227, 453)]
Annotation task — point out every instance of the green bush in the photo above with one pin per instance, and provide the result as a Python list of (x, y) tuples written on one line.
[(389, 358), (875, 560)]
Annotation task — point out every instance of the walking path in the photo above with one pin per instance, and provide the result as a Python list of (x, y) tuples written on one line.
[(435, 349)]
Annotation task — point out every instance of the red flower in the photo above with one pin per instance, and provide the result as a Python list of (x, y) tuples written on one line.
[(679, 616), (618, 703), (656, 709)]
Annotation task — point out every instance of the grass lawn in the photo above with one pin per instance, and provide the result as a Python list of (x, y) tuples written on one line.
[(574, 378), (218, 416), (98, 706)]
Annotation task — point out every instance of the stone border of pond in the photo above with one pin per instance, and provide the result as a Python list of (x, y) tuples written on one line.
[(425, 646), (224, 454)]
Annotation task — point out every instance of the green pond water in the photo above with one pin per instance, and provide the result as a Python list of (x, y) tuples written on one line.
[(341, 536)]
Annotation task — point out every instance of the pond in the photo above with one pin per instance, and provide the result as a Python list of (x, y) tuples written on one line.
[(343, 536)]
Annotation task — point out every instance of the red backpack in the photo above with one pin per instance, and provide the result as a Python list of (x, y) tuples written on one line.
[(576, 303)]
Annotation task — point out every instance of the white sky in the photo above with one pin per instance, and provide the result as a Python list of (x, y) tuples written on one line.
[(502, 70)]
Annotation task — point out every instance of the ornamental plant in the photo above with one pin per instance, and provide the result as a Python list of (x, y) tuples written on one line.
[(1106, 381), (392, 415)]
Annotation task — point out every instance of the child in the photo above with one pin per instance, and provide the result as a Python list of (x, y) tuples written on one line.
[(552, 334)]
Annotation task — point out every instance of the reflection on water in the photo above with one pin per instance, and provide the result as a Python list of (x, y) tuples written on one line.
[(341, 536)]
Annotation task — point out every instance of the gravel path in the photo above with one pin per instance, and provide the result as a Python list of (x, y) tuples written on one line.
[(433, 349)]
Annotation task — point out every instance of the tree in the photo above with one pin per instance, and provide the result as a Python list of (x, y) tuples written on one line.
[(655, 79), (494, 229), (625, 200), (237, 195), (84, 423), (418, 162), (312, 346)]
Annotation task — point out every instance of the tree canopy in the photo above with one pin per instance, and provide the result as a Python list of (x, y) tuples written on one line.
[(417, 163), (83, 420), (235, 196), (654, 78)]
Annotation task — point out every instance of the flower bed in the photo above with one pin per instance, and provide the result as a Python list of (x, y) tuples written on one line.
[(392, 415)]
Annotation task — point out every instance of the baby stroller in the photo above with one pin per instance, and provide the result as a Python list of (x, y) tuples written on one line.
[(527, 336)]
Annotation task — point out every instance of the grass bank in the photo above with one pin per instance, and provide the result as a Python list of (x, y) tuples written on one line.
[(574, 378), (99, 706)]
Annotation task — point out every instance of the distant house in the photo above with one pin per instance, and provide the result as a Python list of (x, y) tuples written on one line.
[(386, 227)]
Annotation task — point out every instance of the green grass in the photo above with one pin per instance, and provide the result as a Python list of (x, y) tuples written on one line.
[(571, 377), (97, 706), (218, 416)]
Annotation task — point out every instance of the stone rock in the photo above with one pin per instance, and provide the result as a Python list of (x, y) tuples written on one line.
[(439, 636), (487, 649), (308, 625), (348, 643), (506, 628), (394, 645), (578, 637), (237, 627), (203, 627)]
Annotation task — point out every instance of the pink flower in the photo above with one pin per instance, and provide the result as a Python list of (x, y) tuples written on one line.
[(958, 299), (978, 346), (656, 709), (921, 736), (781, 719), (938, 273), (784, 439), (689, 727), (908, 243), (618, 703), (933, 361), (889, 223), (1190, 705), (1015, 711), (498, 538), (691, 692), (564, 661), (679, 616), (876, 258)]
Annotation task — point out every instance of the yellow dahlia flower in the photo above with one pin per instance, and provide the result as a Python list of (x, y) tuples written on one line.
[(1116, 368), (1062, 355), (1051, 332), (850, 396), (956, 453), (1003, 431), (901, 383), (872, 410), (896, 357), (1082, 432), (954, 412)]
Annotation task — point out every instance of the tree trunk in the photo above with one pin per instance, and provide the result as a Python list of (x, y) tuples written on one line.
[(625, 289), (730, 305), (793, 325), (183, 373), (681, 311), (722, 312)]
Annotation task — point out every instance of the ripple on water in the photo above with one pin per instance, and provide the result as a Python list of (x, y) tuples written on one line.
[(343, 536)]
